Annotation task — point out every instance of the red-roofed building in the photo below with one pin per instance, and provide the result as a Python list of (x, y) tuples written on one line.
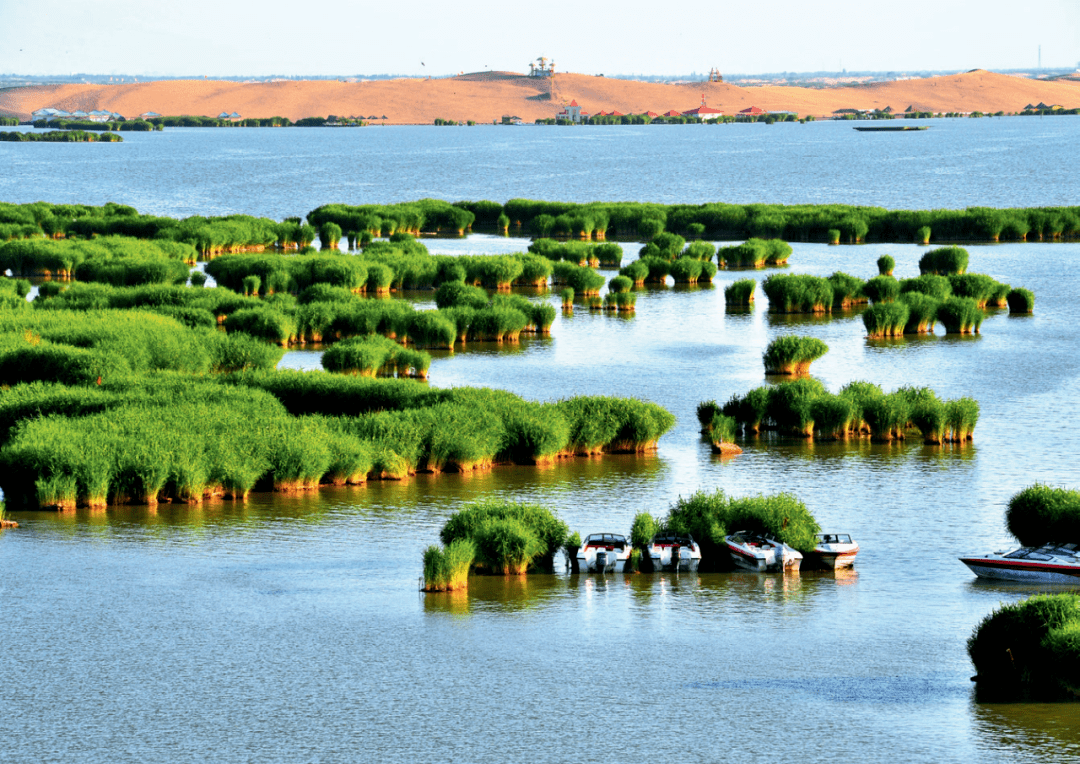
[(571, 113), (672, 113), (616, 114), (752, 111), (703, 112), (651, 114)]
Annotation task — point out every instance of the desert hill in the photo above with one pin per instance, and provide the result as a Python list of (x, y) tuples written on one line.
[(487, 96)]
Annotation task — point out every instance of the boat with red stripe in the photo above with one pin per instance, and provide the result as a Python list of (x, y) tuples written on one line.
[(1047, 564)]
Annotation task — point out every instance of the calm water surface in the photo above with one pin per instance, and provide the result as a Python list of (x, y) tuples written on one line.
[(291, 629)]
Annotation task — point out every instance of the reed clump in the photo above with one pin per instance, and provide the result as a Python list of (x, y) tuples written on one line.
[(798, 293), (960, 315), (1042, 514), (881, 289), (1021, 300), (886, 319), (847, 290), (709, 517), (1029, 650), (944, 261), (446, 569), (510, 538), (885, 265), (792, 354), (740, 293), (804, 408)]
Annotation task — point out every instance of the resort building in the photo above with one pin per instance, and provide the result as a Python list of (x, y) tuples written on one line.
[(571, 113), (703, 112), (751, 111)]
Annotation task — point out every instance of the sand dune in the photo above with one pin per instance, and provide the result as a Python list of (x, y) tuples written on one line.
[(486, 97)]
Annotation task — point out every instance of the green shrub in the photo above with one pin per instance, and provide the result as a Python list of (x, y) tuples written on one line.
[(885, 265), (944, 261), (792, 354), (1029, 649), (885, 319), (740, 293), (1021, 300), (882, 289), (798, 293), (960, 315), (929, 284)]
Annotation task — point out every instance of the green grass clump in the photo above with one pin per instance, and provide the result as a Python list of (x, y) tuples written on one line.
[(979, 287), (791, 406), (699, 250), (922, 312), (778, 252), (642, 530), (961, 416), (792, 354), (620, 284), (263, 323), (686, 270), (710, 517), (659, 269), (752, 254), (887, 416), (885, 265), (798, 293), (944, 261), (929, 284), (1042, 514), (740, 293), (833, 416), (922, 236), (847, 290), (446, 569), (1029, 650), (510, 537), (882, 289), (885, 319), (453, 294), (751, 411), (567, 296), (833, 236), (636, 271), (584, 280), (960, 315), (1021, 300)]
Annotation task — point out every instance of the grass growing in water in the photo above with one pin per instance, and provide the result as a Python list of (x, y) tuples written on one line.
[(740, 293), (446, 569), (960, 315), (1029, 650), (885, 319), (1021, 300), (792, 354)]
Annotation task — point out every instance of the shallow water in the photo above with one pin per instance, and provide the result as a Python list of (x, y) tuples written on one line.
[(291, 628)]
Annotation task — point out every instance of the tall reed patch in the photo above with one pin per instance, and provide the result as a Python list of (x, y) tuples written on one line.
[(740, 293), (792, 354), (636, 271), (1044, 514), (847, 290), (446, 569), (791, 407), (710, 517), (885, 319), (882, 289), (1029, 650), (510, 537), (885, 265), (961, 416), (929, 284), (798, 293), (1021, 300), (960, 315), (944, 261), (922, 312), (887, 416), (979, 287)]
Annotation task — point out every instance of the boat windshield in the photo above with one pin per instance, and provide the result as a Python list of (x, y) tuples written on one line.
[(605, 539), (673, 539), (834, 538)]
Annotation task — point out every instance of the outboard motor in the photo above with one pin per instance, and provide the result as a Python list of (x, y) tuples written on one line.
[(601, 562)]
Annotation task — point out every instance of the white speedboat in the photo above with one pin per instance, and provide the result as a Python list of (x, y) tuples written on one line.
[(674, 551), (1048, 564), (603, 553), (833, 551), (753, 551)]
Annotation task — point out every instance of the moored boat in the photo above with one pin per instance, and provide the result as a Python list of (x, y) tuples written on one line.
[(676, 552), (1047, 564), (603, 553), (753, 551), (833, 551)]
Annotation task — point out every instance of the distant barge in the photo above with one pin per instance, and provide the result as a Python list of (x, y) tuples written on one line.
[(890, 129)]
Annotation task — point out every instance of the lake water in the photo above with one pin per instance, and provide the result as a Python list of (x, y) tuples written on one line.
[(291, 628)]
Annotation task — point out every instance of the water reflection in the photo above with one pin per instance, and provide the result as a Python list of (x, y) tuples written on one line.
[(1028, 731)]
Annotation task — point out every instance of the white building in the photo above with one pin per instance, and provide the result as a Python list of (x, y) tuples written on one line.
[(571, 113)]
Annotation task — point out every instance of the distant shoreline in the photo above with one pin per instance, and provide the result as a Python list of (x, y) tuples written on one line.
[(488, 99)]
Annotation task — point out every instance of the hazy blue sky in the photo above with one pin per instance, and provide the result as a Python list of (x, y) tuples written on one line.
[(226, 37)]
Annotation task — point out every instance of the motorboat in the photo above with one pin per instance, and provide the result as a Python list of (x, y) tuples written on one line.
[(759, 553), (833, 551), (1047, 564), (603, 553), (677, 552)]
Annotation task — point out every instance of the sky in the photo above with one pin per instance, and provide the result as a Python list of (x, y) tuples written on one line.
[(321, 37)]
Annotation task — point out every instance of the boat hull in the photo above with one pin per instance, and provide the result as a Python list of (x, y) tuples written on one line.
[(832, 560), (1023, 571)]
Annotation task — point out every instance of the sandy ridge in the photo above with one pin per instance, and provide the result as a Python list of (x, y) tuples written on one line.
[(486, 98)]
